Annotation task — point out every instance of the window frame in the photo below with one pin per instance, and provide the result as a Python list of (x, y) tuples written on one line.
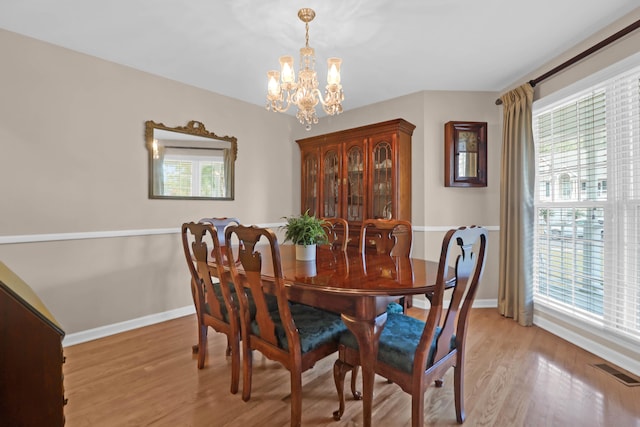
[(582, 328)]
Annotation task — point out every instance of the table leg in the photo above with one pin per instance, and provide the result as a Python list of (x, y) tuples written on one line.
[(367, 333)]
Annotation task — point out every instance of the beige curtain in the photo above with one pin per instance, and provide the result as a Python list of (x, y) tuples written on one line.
[(517, 180), (228, 172), (158, 171)]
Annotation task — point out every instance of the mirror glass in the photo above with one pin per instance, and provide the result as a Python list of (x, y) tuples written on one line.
[(467, 154), (189, 162)]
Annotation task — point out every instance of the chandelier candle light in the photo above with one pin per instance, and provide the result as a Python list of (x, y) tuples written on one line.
[(283, 90)]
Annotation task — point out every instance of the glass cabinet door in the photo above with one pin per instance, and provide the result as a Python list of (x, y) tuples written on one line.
[(382, 180), (355, 183), (310, 183), (331, 184)]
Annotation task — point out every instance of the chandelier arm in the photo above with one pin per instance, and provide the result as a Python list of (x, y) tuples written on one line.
[(317, 94)]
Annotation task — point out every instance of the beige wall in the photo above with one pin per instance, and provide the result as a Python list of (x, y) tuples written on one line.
[(597, 61), (73, 160)]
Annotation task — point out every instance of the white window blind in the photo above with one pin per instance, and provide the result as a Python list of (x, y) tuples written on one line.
[(587, 239)]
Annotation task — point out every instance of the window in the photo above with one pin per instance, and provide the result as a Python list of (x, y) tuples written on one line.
[(587, 238), (547, 189)]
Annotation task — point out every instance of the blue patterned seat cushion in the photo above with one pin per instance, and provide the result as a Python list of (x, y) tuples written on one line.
[(272, 301), (394, 307), (315, 327), (399, 341)]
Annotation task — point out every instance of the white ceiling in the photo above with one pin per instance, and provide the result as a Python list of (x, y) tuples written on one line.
[(389, 48)]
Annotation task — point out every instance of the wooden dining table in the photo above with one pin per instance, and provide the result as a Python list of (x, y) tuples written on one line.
[(359, 288)]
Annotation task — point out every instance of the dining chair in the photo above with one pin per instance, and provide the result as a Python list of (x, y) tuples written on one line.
[(386, 236), (337, 230), (221, 223), (391, 237), (215, 306), (413, 353), (296, 335)]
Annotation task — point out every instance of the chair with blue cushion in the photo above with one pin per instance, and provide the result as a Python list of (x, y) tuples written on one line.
[(392, 237), (295, 335), (413, 353), (215, 306)]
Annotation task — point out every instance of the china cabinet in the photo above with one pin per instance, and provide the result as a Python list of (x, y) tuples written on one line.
[(358, 173)]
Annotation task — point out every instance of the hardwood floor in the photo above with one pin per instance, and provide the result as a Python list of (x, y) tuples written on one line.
[(515, 376)]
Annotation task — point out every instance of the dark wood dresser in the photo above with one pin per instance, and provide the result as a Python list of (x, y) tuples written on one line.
[(31, 380)]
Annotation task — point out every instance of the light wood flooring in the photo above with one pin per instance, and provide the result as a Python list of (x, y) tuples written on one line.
[(515, 376)]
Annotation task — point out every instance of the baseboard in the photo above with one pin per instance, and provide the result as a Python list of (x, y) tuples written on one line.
[(116, 328), (479, 303)]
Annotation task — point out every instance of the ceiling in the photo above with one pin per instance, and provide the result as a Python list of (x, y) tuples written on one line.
[(389, 48)]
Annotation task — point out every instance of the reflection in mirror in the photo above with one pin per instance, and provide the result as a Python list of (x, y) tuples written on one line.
[(189, 162), (467, 154)]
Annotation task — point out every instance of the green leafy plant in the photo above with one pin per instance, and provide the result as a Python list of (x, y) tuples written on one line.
[(304, 229)]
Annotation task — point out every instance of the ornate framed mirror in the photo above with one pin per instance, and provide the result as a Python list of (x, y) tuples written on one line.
[(189, 162)]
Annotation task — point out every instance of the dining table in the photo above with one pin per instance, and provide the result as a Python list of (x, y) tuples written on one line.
[(359, 287)]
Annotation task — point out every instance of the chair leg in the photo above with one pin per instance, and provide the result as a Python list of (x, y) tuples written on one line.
[(296, 396), (202, 345), (340, 370), (458, 390), (417, 409), (234, 349), (354, 376), (247, 367)]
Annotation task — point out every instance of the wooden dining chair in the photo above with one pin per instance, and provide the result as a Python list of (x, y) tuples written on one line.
[(413, 353), (392, 237), (214, 302), (295, 335), (386, 236), (220, 223), (337, 230)]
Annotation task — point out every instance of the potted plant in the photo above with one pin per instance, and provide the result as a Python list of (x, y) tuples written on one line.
[(305, 231)]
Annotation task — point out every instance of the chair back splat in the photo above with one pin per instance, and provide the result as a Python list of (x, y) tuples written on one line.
[(214, 301), (296, 335), (413, 353), (337, 230), (391, 237), (386, 236), (220, 224)]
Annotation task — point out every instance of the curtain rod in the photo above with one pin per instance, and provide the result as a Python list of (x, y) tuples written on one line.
[(583, 55)]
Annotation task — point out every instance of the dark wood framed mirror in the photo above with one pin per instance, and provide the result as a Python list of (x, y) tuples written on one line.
[(189, 162), (465, 150)]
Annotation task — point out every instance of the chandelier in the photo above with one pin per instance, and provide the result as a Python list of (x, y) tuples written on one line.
[(283, 90)]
